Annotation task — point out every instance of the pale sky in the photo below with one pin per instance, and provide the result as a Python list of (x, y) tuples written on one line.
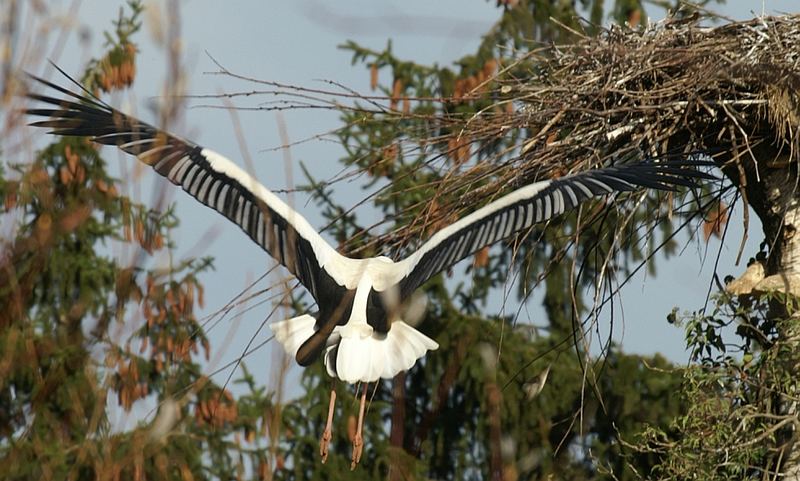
[(296, 43)]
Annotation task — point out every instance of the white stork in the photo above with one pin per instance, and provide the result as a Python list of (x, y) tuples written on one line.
[(360, 301)]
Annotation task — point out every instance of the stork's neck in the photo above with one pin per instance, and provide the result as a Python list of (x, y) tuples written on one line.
[(359, 312)]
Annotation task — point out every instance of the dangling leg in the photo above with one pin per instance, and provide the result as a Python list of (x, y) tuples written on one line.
[(326, 435), (358, 442)]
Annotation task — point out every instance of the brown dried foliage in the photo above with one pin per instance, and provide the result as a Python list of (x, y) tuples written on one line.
[(382, 165), (216, 409), (475, 85), (130, 386), (715, 222), (373, 76), (118, 68), (397, 91)]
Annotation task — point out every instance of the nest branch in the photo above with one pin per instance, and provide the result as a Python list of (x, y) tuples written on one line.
[(673, 88)]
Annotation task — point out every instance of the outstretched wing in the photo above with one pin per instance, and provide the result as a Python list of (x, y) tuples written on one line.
[(207, 176), (532, 204)]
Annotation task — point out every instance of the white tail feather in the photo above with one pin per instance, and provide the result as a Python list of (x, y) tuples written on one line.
[(367, 358), (356, 353), (292, 333)]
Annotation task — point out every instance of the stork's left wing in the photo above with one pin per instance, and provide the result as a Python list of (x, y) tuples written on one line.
[(529, 205), (207, 176)]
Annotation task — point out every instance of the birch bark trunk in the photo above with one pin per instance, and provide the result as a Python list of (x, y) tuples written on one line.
[(774, 194), (788, 272)]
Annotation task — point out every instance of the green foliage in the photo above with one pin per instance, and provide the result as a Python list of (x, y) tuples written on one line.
[(466, 403), (736, 425)]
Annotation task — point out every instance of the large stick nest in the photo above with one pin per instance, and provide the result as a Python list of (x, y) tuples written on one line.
[(674, 87)]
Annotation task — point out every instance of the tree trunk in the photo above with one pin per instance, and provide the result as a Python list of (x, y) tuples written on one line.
[(787, 271), (396, 468), (773, 193)]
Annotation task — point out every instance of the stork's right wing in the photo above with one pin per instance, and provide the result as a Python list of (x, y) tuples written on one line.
[(532, 204), (207, 176)]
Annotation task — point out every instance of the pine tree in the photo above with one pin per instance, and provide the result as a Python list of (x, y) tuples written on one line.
[(85, 336)]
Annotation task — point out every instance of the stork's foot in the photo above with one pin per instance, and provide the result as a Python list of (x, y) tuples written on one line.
[(358, 441), (358, 448), (325, 440)]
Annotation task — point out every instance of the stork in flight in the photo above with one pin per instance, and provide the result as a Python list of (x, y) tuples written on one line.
[(358, 328)]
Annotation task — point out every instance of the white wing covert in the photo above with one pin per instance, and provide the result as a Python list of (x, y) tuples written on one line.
[(532, 204)]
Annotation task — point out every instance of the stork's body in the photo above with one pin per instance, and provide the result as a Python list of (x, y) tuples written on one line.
[(361, 328), (360, 323)]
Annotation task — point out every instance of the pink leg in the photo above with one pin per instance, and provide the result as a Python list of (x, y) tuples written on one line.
[(326, 435), (358, 442)]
